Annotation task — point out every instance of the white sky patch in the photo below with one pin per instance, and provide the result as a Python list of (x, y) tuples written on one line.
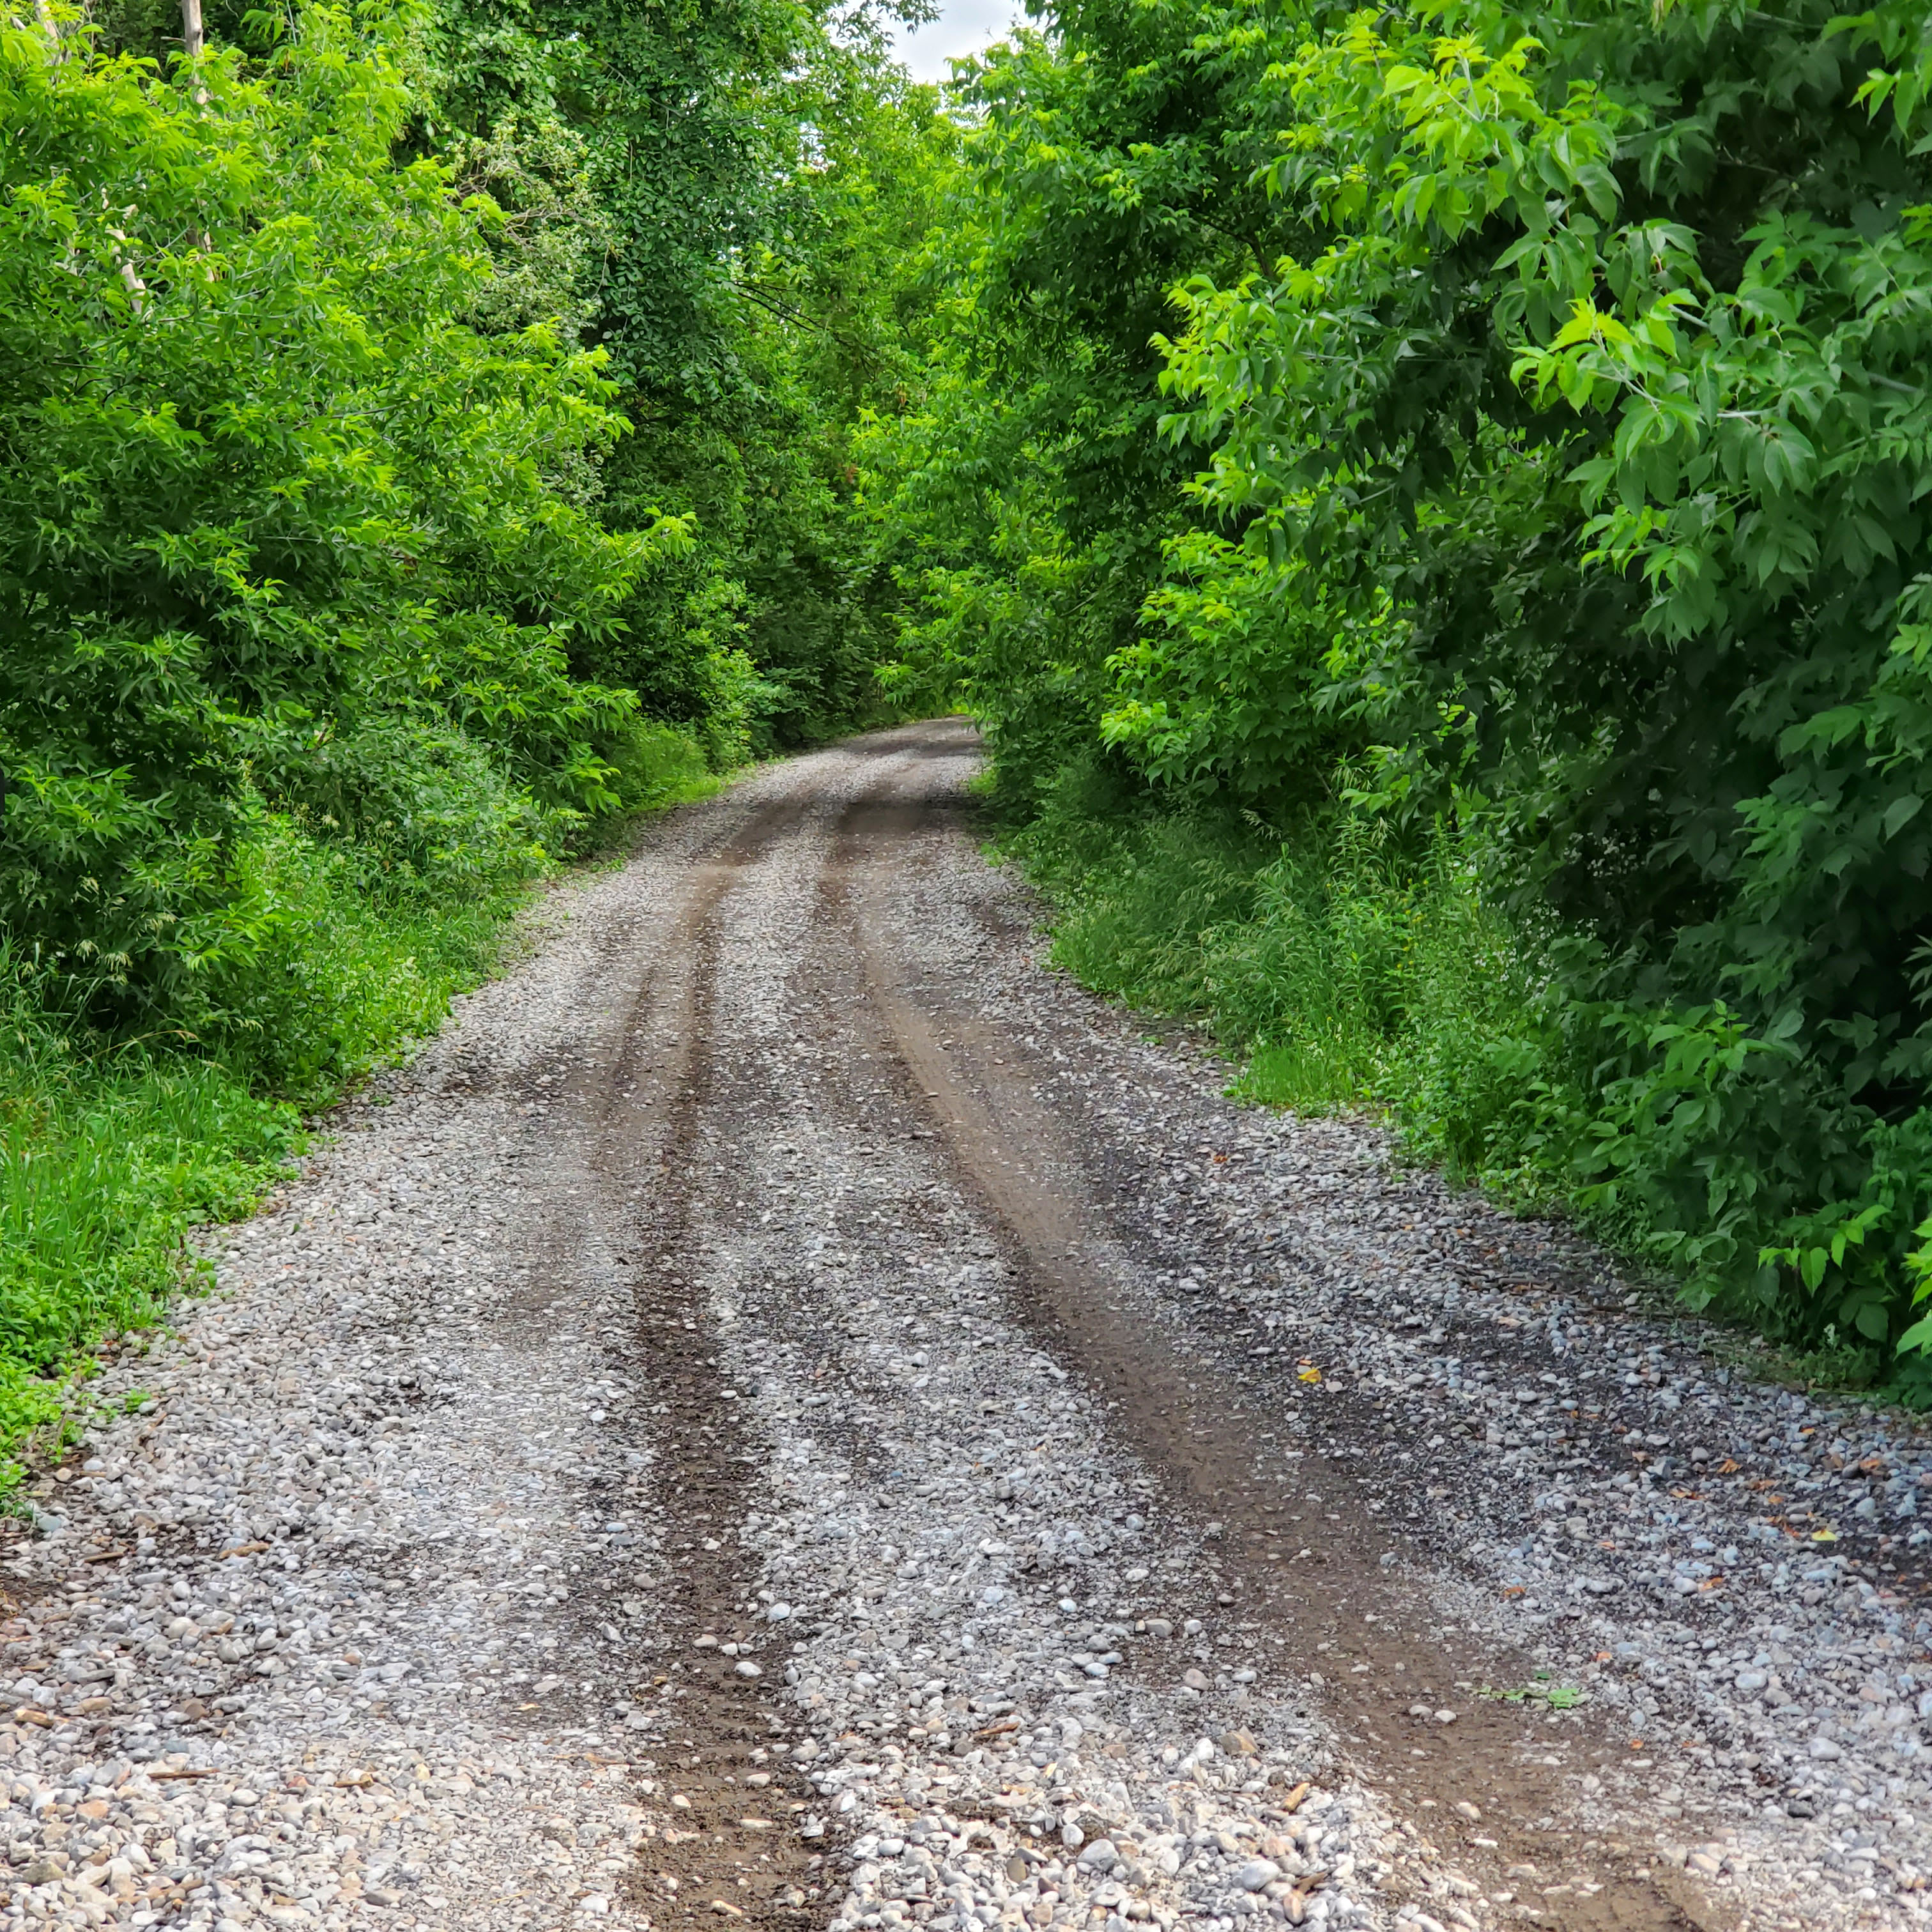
[(964, 27)]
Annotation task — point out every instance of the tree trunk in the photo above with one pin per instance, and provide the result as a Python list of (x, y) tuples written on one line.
[(191, 38)]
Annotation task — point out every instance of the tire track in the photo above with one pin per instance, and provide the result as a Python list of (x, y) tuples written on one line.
[(1200, 1430), (729, 1850)]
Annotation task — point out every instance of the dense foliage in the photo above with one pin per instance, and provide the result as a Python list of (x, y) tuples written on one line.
[(1429, 505), (427, 434), (275, 530), (1498, 438), (730, 185)]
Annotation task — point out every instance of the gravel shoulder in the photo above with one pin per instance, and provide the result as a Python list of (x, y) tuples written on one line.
[(788, 1410)]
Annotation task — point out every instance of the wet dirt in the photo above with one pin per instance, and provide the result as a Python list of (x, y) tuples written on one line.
[(730, 1849)]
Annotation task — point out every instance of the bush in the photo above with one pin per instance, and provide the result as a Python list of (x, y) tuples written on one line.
[(656, 765), (335, 974), (1537, 411), (325, 600), (1346, 969), (1609, 447), (288, 530), (290, 573), (112, 1149)]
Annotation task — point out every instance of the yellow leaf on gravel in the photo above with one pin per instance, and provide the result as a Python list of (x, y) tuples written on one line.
[(1310, 1374)]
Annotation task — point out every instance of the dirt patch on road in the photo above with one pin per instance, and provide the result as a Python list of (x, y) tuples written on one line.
[(730, 1848)]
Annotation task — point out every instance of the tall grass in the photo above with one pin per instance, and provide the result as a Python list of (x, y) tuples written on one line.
[(658, 765), (1342, 971)]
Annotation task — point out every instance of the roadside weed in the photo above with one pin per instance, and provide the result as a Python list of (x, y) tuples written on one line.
[(1552, 1696)]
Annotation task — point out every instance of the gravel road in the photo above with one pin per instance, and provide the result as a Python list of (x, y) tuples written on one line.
[(789, 1411)]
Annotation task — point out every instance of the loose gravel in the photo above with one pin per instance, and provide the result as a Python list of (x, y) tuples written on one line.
[(636, 1474)]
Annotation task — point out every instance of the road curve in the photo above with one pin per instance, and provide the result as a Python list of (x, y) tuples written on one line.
[(789, 1411)]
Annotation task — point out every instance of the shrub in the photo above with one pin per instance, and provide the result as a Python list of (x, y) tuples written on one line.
[(287, 531), (1539, 413)]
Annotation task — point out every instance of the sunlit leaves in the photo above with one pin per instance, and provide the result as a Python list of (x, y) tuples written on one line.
[(268, 489)]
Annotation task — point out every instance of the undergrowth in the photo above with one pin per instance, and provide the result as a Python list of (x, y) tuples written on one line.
[(656, 767), (1341, 969), (113, 1147), (1343, 972)]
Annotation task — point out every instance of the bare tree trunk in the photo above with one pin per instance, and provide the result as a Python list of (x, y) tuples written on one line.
[(191, 36), (50, 27)]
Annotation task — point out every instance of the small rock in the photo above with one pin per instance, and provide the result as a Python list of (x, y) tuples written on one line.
[(1257, 1873)]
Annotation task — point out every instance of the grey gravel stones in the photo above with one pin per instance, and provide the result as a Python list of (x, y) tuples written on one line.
[(356, 1617)]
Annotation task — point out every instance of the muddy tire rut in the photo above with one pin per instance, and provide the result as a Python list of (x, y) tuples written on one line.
[(1188, 1422), (729, 1848)]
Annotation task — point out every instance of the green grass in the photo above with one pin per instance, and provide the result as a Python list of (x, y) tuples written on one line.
[(1341, 972), (107, 1158), (114, 1147), (111, 1149), (659, 766)]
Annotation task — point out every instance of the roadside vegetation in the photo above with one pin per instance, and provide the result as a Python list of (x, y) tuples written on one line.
[(426, 440), (1430, 506)]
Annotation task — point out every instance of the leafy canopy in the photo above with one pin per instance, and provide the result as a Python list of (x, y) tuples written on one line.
[(1533, 418)]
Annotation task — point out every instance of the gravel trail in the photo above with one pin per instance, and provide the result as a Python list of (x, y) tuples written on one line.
[(788, 1412)]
